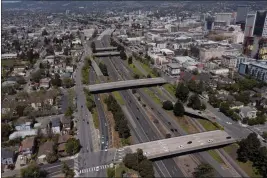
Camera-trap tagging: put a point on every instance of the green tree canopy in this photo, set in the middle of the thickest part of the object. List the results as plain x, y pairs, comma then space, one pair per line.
182, 92
6, 130
204, 171
72, 146
51, 158
167, 105
33, 171
178, 109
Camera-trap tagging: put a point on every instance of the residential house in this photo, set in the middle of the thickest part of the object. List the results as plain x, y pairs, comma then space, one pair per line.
248, 112
262, 91
69, 69
66, 123
44, 150
23, 123
236, 105
7, 156
62, 140
28, 146
56, 125
254, 101
45, 83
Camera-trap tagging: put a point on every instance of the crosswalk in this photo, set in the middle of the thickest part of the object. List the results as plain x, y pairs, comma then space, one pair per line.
94, 169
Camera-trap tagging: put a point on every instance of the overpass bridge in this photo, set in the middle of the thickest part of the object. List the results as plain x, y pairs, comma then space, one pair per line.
104, 87
106, 49
106, 54
177, 145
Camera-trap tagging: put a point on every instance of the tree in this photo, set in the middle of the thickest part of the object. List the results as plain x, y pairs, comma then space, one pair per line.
72, 146
67, 82
167, 105
93, 47
69, 111
51, 158
123, 55
146, 169
148, 76
111, 173
203, 171
33, 171
103, 69
69, 173
194, 102
20, 109
56, 81
182, 92
130, 60
264, 135
248, 148
36, 76
6, 130
28, 111
136, 76
44, 32
178, 109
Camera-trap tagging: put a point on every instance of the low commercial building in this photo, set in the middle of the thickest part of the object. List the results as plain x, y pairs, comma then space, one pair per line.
9, 56
248, 112
173, 69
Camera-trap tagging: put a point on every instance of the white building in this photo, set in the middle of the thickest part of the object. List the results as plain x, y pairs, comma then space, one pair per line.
9, 56
220, 71
223, 17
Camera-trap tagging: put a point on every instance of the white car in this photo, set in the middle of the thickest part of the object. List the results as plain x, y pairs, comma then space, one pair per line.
97, 168
181, 146
230, 123
98, 99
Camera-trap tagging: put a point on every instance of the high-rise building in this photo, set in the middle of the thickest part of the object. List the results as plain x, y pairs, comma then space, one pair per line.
242, 11
223, 17
255, 41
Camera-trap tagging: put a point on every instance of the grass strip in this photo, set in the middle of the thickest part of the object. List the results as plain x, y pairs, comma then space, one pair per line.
118, 97
207, 125
95, 118
170, 88
153, 96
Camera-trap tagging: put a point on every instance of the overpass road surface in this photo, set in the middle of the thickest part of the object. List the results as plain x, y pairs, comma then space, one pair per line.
182, 144
125, 84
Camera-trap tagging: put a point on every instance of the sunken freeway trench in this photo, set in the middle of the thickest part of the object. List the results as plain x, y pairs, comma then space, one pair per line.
143, 130
169, 122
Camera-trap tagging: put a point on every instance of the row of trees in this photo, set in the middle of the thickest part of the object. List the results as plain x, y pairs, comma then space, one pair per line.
85, 70
90, 103
121, 124
178, 108
250, 149
138, 162
103, 68
34, 171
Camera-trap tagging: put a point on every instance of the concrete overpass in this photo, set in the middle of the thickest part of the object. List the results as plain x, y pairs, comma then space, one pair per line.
178, 145
106, 49
104, 87
103, 54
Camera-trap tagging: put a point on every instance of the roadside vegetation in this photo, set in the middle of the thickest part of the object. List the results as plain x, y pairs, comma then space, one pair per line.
85, 70
121, 124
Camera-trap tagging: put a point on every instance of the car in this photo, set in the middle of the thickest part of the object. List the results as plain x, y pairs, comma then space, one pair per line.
230, 123
81, 106
189, 142
87, 122
181, 146
210, 140
98, 99
199, 112
228, 137
172, 130
83, 119
86, 115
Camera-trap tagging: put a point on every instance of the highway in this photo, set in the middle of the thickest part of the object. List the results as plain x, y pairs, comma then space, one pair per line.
169, 122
